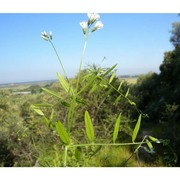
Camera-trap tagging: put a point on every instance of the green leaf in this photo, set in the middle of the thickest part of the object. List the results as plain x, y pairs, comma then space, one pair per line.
87, 76
112, 77
109, 70
52, 115
89, 127
127, 93
88, 84
36, 106
131, 102
154, 139
80, 100
62, 133
116, 128
47, 122
38, 111
65, 84
64, 103
117, 100
120, 85
95, 86
108, 92
52, 93
149, 144
136, 129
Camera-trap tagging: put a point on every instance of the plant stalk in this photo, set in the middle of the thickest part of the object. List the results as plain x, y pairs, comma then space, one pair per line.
64, 72
65, 156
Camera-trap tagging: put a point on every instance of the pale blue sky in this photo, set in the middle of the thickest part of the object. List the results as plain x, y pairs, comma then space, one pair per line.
136, 42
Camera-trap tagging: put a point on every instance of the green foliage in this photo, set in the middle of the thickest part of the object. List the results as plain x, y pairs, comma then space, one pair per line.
116, 128
52, 93
62, 133
159, 96
89, 127
175, 38
110, 113
136, 129
66, 86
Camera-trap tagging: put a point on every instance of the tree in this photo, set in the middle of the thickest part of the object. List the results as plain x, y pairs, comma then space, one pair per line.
159, 95
175, 38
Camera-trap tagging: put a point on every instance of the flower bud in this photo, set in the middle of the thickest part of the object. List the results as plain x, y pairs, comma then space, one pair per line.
45, 38
98, 25
44, 34
92, 17
84, 26
50, 35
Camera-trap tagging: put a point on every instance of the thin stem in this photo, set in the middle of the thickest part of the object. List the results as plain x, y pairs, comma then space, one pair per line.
80, 66
71, 111
65, 156
142, 142
136, 150
139, 111
58, 59
108, 144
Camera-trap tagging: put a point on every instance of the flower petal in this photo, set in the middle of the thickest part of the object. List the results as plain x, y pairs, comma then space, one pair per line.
45, 38
83, 24
98, 25
93, 16
44, 34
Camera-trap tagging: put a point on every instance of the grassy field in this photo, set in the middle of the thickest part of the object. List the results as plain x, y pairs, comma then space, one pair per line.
25, 85
130, 80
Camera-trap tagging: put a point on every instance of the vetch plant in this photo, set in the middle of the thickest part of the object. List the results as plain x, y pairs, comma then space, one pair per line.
94, 80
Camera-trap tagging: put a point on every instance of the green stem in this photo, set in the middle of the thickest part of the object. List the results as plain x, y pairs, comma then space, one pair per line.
71, 111
58, 59
80, 66
65, 156
142, 142
139, 111
108, 144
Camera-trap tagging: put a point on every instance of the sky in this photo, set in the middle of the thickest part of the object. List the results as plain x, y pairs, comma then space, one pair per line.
134, 41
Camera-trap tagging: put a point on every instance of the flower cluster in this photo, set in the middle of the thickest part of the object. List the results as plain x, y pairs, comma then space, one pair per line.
87, 24
93, 17
45, 36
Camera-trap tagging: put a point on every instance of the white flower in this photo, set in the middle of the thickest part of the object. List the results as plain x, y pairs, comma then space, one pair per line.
92, 17
83, 24
44, 36
98, 25
50, 35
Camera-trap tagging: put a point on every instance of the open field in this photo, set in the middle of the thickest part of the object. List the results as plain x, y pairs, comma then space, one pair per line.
130, 80
25, 85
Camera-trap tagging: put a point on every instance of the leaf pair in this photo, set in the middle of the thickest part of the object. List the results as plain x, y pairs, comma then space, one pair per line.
149, 147
38, 111
90, 129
